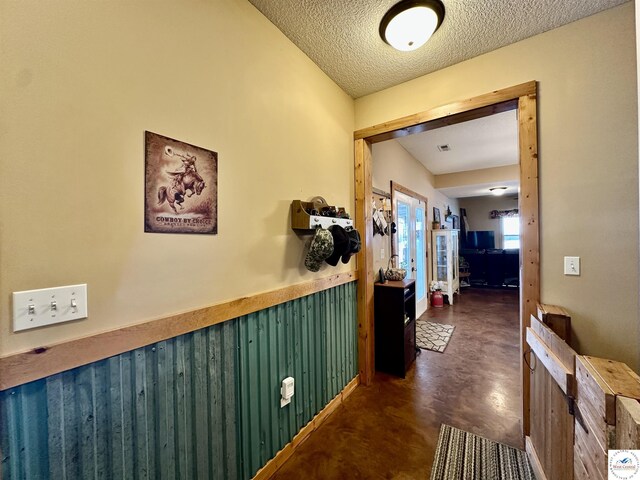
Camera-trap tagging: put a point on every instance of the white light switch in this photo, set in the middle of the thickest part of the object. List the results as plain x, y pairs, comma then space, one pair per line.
38, 308
572, 265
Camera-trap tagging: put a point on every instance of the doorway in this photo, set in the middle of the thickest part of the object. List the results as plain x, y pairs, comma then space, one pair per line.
522, 97
409, 210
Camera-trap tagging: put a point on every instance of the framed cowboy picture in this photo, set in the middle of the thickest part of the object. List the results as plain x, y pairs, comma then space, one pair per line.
181, 187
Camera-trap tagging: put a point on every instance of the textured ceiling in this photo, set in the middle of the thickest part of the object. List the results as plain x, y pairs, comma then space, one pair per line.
476, 144
341, 36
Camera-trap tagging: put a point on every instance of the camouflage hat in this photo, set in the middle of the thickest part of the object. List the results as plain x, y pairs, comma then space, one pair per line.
321, 247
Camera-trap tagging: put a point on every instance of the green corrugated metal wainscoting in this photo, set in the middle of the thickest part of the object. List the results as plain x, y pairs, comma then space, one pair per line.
205, 405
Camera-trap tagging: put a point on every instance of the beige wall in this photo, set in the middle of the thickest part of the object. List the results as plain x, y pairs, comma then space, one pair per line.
478, 209
588, 160
79, 84
392, 162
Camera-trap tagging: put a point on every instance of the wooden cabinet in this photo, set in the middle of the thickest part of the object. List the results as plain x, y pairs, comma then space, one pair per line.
395, 326
445, 268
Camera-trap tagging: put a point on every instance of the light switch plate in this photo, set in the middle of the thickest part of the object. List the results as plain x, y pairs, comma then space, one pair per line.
572, 265
47, 306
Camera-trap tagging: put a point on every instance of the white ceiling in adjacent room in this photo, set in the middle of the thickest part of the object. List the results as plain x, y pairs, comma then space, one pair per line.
477, 144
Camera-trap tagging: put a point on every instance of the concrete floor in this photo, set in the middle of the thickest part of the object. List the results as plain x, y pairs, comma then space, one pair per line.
389, 430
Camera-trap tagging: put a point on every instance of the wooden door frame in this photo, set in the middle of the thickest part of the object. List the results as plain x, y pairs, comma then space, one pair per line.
524, 98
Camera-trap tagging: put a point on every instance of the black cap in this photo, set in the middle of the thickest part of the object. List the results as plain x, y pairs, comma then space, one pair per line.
354, 245
341, 244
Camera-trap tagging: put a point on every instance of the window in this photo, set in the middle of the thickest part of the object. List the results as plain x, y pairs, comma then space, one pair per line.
511, 232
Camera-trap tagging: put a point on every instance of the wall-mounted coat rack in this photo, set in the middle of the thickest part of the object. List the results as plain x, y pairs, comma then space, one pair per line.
301, 219
382, 213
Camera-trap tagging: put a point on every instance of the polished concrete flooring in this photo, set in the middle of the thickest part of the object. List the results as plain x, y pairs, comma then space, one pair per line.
389, 430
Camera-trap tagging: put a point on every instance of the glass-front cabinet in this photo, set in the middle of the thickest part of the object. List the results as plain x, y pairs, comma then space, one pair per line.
445, 261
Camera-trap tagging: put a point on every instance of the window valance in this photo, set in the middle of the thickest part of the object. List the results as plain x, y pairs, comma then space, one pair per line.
503, 213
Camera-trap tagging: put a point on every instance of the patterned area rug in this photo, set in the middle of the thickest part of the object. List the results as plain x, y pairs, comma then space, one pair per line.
433, 336
463, 455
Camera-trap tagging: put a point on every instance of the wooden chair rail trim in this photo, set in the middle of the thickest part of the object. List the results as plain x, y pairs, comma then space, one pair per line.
561, 374
481, 101
283, 455
24, 367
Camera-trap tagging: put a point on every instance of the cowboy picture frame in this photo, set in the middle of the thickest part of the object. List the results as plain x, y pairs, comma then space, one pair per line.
181, 187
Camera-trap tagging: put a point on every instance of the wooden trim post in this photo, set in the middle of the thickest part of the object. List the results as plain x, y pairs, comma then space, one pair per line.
529, 233
364, 219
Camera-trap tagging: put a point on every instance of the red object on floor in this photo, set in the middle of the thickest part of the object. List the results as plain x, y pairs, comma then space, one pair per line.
437, 299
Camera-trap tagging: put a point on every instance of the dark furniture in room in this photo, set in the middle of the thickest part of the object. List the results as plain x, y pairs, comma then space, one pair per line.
479, 239
493, 267
395, 326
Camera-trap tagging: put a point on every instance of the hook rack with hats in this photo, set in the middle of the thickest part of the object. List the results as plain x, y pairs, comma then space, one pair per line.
334, 237
317, 213
381, 207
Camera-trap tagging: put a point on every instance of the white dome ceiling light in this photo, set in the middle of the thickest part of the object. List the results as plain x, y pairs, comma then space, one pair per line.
498, 191
410, 23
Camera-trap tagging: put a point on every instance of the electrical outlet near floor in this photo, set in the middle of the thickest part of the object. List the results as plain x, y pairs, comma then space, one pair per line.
47, 306
572, 265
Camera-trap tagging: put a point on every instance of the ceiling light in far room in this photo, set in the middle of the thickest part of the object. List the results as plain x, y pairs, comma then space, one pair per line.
497, 191
410, 23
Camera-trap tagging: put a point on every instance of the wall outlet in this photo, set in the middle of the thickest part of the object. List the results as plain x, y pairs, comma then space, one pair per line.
572, 265
47, 306
286, 391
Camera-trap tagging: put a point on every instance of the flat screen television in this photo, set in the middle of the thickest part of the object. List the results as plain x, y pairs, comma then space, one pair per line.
481, 239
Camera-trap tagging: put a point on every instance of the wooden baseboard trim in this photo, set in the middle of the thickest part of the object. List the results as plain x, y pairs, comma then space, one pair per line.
534, 460
24, 367
283, 455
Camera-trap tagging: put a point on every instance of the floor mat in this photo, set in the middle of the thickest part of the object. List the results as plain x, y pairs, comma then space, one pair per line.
463, 455
433, 336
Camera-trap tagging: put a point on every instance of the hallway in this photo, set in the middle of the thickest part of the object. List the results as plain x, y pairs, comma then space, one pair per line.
389, 430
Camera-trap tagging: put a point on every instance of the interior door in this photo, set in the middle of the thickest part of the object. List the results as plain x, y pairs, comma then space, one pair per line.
410, 243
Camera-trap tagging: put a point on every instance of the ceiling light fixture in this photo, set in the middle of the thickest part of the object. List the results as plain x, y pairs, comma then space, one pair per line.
410, 23
497, 191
